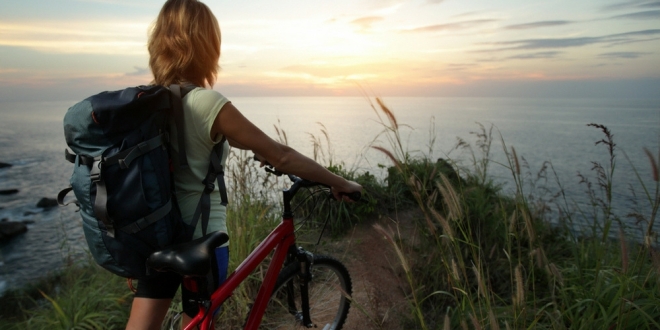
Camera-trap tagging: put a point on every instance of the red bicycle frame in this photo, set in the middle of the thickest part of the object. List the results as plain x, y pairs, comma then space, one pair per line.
280, 240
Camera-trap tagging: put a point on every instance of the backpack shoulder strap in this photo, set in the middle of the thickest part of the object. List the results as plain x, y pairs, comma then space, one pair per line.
187, 88
177, 93
215, 173
176, 101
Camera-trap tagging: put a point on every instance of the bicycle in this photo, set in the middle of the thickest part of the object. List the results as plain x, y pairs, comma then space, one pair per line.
300, 289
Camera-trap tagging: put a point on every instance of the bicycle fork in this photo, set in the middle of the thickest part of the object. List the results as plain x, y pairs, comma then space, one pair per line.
306, 260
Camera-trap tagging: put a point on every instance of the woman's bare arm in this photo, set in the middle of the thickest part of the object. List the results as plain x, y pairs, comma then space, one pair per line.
241, 133
235, 144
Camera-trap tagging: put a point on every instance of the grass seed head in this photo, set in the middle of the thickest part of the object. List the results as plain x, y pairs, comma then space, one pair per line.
388, 113
654, 165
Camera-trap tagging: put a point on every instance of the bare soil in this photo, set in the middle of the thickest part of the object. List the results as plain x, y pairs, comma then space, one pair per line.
379, 285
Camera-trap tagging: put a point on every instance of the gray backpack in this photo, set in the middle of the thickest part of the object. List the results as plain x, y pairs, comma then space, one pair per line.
122, 175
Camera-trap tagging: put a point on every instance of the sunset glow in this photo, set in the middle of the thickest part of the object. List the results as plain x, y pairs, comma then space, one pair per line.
402, 48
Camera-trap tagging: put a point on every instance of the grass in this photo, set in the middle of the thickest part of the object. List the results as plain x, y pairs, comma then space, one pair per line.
81, 296
494, 262
484, 259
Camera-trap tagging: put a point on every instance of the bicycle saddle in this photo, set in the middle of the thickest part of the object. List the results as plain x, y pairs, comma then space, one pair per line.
190, 258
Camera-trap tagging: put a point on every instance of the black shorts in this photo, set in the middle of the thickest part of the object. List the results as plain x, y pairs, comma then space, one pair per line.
163, 285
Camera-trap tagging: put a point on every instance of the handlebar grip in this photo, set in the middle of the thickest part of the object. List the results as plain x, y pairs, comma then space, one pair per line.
354, 196
254, 157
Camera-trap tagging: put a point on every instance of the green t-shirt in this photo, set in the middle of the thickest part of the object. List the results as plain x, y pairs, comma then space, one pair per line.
200, 107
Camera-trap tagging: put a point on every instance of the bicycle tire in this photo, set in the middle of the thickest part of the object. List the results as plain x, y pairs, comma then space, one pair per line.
329, 297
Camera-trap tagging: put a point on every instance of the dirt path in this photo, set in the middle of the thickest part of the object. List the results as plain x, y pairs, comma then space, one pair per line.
379, 287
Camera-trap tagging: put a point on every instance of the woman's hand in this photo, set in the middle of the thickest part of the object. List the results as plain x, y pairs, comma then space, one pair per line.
341, 192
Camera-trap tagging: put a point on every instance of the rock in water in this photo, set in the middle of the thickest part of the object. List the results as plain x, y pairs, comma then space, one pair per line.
47, 202
8, 191
9, 229
3, 165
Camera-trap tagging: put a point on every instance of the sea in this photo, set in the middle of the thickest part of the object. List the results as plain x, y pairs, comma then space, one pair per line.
550, 133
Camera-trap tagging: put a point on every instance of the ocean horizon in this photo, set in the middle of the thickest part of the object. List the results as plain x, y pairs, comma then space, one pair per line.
541, 130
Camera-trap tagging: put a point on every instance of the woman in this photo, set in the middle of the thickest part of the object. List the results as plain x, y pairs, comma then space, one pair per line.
184, 48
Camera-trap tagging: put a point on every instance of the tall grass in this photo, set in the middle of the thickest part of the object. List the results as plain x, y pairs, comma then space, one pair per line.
493, 261
254, 210
81, 296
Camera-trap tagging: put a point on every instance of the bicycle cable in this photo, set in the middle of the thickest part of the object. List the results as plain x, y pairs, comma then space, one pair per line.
312, 195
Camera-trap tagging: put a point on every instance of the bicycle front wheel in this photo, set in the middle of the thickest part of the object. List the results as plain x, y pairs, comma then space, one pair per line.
329, 297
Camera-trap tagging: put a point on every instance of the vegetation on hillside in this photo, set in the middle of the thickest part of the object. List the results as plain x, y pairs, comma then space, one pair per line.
493, 261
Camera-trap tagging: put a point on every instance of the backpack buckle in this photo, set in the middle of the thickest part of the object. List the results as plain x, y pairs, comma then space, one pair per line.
209, 186
95, 171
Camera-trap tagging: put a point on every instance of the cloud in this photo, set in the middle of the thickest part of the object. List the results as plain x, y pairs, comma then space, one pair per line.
382, 7
10, 70
642, 15
364, 23
631, 41
546, 43
526, 56
76, 37
459, 67
462, 25
139, 72
622, 55
650, 4
531, 56
470, 13
618, 38
633, 4
535, 25
57, 88
126, 3
434, 2
328, 70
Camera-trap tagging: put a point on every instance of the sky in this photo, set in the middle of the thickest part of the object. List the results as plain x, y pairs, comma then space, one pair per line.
68, 49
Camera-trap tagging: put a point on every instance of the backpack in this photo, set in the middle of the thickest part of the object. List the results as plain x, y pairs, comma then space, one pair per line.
122, 175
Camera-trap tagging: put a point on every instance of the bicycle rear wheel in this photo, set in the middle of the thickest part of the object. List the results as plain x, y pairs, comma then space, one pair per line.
329, 292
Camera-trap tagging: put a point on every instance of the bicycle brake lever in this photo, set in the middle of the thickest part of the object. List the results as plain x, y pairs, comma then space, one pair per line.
269, 169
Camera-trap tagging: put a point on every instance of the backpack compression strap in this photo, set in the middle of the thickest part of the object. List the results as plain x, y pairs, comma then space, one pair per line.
123, 159
216, 173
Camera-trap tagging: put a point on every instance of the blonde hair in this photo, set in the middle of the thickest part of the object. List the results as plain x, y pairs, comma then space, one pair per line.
184, 44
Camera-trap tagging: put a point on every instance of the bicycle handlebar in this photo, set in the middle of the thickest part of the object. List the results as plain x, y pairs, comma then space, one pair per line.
304, 183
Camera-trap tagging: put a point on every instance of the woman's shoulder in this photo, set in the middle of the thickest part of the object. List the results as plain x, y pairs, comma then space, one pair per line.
204, 93
204, 98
